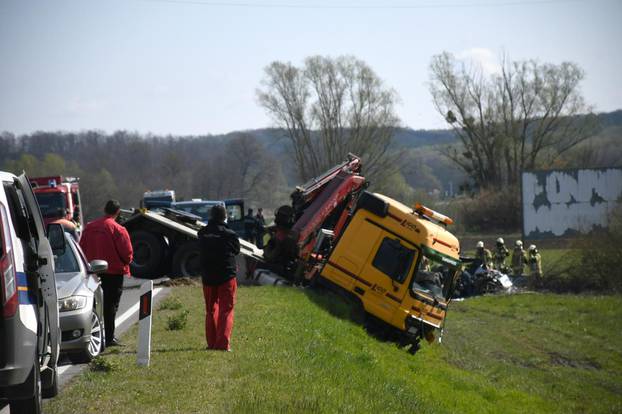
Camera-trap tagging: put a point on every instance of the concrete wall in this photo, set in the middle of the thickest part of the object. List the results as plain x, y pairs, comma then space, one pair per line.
569, 202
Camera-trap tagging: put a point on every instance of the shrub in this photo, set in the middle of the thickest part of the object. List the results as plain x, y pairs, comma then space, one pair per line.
102, 364
170, 303
178, 321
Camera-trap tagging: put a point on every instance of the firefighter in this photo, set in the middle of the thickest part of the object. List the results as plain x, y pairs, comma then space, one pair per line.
519, 259
483, 255
501, 253
535, 263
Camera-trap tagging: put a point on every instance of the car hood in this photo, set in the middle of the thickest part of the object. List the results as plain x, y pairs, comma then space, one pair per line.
68, 283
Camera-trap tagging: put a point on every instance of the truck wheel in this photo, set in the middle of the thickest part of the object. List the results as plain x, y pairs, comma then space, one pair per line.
149, 254
186, 260
31, 405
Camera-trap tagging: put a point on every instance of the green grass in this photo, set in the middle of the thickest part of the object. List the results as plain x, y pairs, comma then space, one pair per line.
297, 351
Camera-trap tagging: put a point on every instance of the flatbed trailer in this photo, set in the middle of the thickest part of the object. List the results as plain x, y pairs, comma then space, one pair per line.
165, 243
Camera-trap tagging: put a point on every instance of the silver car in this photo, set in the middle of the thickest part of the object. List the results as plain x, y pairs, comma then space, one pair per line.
80, 303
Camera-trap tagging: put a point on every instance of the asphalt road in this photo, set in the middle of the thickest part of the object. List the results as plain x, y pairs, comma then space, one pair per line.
126, 317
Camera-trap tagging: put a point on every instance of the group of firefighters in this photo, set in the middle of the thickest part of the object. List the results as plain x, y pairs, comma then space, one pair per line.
520, 258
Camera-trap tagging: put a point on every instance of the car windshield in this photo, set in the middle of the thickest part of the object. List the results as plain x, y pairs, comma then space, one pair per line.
52, 204
201, 210
67, 261
434, 275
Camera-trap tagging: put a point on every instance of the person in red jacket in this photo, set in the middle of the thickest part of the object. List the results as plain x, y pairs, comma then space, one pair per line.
105, 239
218, 247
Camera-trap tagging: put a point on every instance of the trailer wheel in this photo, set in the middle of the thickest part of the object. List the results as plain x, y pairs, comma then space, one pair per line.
149, 254
186, 260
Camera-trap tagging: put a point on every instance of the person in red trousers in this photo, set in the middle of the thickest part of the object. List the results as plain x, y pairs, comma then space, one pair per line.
218, 246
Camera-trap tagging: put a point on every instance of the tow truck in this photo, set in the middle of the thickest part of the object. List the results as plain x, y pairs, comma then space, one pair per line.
58, 198
165, 242
398, 263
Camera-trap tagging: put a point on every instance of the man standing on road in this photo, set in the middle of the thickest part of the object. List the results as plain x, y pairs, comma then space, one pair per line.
218, 246
105, 239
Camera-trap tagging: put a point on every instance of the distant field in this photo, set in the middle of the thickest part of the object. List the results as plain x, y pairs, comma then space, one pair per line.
297, 351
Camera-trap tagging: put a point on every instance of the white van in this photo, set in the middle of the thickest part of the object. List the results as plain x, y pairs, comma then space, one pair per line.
29, 329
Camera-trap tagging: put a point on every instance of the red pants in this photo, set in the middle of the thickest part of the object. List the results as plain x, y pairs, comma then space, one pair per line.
219, 301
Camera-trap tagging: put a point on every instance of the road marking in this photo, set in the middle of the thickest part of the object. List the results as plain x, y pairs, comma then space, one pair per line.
118, 321
126, 315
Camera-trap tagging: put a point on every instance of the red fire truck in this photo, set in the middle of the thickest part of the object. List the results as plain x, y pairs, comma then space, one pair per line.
58, 198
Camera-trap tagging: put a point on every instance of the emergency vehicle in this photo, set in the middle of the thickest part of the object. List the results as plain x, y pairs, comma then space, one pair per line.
29, 328
58, 198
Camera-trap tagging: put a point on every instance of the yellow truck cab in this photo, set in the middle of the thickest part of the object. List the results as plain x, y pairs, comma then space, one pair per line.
401, 262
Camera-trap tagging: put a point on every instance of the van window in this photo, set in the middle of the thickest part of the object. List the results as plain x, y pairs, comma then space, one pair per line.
394, 259
234, 212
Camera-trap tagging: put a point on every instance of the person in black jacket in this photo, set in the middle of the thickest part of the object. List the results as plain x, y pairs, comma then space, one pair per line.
219, 245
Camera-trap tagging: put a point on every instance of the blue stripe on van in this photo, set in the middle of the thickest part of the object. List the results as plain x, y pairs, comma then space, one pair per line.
25, 296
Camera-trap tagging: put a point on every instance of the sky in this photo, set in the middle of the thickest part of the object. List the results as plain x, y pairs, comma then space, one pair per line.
190, 67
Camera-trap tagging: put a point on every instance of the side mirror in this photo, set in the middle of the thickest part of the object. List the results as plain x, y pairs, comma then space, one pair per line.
56, 236
98, 266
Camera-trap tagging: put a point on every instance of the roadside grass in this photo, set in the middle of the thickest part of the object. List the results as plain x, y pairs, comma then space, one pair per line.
298, 351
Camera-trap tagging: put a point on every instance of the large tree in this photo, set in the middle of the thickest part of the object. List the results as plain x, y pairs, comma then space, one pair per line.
522, 118
330, 107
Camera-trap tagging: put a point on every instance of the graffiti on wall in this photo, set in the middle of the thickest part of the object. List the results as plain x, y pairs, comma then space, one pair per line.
569, 202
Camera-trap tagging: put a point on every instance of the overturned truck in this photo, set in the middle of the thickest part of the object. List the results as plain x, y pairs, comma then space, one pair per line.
400, 264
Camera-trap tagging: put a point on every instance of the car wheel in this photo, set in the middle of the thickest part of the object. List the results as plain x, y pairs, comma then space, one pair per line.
33, 404
95, 345
149, 254
186, 261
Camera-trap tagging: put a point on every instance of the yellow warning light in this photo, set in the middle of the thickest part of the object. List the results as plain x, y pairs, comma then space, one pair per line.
428, 212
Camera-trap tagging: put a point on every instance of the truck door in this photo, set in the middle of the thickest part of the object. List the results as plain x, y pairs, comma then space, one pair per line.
387, 270
44, 269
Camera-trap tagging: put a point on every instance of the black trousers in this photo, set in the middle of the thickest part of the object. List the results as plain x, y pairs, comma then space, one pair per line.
112, 285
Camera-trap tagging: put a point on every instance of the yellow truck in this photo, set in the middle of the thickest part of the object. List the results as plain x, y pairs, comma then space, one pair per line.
400, 263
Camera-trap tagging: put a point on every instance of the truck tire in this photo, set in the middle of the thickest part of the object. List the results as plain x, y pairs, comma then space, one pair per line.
149, 254
31, 405
186, 260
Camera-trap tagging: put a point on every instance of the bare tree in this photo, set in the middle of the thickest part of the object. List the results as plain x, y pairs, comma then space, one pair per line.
522, 118
330, 107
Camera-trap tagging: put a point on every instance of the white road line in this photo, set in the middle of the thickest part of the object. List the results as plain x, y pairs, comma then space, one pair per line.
118, 321
133, 309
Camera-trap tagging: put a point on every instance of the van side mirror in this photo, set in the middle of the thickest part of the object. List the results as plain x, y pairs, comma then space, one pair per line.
56, 236
98, 266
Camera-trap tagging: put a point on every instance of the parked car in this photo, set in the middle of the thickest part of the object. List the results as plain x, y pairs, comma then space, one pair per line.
29, 331
80, 303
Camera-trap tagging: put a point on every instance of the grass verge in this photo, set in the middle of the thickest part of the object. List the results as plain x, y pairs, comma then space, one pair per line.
297, 351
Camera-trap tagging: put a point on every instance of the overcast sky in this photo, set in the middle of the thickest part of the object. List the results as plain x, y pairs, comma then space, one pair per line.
192, 66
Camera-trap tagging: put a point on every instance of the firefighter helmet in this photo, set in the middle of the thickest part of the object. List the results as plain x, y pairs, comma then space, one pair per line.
480, 244
519, 243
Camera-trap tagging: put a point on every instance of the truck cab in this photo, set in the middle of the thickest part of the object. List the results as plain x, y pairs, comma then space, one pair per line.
58, 198
400, 263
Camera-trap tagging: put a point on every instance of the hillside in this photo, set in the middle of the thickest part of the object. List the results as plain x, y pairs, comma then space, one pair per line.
298, 351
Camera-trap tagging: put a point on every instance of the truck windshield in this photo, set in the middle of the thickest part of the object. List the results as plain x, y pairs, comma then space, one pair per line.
434, 276
52, 204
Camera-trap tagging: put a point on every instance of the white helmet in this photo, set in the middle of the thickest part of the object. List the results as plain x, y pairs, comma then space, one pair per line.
519, 243
532, 248
480, 244
500, 240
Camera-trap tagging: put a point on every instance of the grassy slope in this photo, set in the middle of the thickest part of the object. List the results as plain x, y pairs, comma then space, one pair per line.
296, 351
